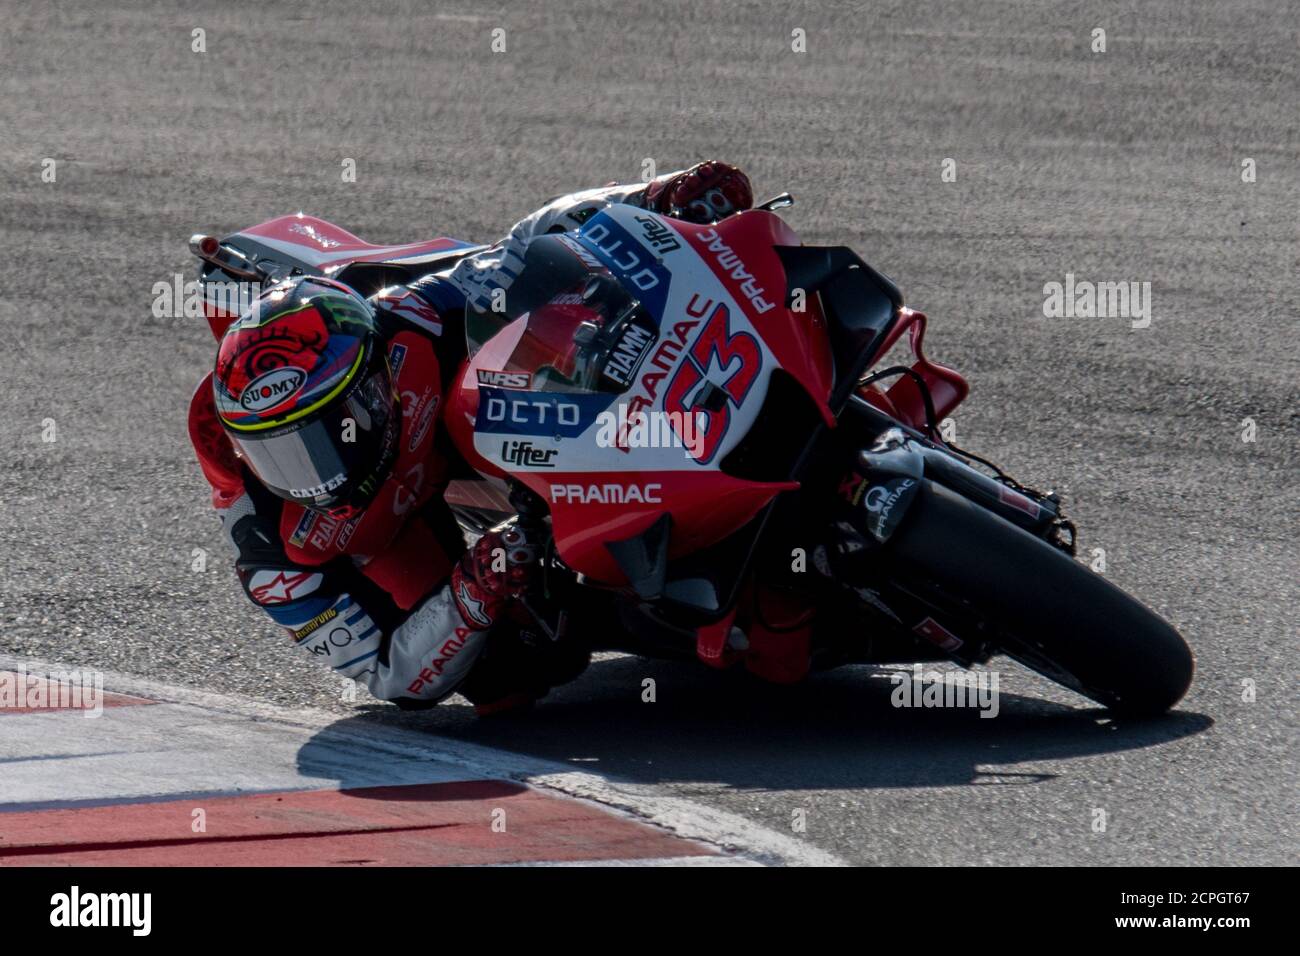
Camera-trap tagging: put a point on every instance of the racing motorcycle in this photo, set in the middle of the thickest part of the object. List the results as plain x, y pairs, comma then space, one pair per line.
691, 415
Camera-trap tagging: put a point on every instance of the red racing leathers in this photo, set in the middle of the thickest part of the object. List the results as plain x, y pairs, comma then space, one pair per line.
381, 597
371, 596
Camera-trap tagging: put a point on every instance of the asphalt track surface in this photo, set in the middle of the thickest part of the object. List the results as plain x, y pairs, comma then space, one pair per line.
1123, 165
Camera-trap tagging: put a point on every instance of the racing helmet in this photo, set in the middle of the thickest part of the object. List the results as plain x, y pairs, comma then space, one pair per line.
303, 388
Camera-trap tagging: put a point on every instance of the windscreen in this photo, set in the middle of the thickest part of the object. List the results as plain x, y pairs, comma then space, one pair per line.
564, 324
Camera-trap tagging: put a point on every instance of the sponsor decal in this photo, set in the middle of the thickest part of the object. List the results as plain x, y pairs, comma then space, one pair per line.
881, 499
472, 607
937, 634
735, 359
421, 427
626, 256
567, 298
607, 494
636, 266
312, 233
322, 531
345, 533
733, 266
450, 648
1018, 501
555, 414
407, 491
516, 380
885, 505
633, 345
281, 587
324, 617
396, 358
303, 529
412, 403
407, 305
271, 389
662, 361
338, 637
323, 488
368, 485
577, 248
540, 411
663, 239
527, 455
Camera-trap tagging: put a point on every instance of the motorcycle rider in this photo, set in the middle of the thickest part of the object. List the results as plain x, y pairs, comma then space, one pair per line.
319, 433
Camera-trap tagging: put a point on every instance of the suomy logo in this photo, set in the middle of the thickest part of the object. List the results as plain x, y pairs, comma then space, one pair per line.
267, 391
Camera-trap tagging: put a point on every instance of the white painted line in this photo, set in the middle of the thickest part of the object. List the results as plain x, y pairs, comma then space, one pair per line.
363, 749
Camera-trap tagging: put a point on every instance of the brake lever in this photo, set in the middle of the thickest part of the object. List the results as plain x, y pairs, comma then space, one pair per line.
530, 511
776, 202
552, 634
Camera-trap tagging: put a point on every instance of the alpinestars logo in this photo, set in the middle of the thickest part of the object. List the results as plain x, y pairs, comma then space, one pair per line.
268, 587
471, 608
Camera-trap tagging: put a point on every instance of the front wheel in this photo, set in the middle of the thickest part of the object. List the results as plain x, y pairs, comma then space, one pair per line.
1054, 615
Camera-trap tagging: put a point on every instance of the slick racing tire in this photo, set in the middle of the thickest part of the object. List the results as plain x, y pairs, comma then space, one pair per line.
1053, 615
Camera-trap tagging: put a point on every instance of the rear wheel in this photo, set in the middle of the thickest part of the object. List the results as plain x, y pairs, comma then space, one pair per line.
1054, 615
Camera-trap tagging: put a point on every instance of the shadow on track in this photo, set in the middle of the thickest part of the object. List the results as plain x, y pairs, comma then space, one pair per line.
837, 730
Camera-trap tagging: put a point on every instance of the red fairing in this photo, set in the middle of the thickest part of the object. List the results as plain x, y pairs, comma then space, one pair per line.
732, 338
741, 247
327, 246
321, 247
903, 400
706, 507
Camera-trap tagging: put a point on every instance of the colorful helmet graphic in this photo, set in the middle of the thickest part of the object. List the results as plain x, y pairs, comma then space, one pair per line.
303, 389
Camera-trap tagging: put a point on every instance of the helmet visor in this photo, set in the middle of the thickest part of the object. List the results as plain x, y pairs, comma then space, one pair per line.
335, 459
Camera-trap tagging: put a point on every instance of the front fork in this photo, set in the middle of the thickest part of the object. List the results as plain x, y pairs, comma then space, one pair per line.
892, 469
882, 485
900, 454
